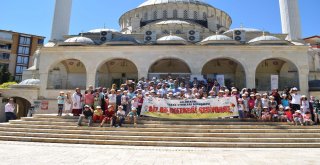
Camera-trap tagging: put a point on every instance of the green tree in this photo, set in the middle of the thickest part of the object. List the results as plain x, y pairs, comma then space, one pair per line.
5, 75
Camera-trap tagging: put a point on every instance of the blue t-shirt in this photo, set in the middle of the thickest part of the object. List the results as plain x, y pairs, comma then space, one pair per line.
60, 99
285, 102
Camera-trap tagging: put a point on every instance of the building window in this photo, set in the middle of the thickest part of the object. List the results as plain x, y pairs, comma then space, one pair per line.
22, 60
195, 15
24, 40
186, 14
4, 65
175, 14
155, 14
165, 14
20, 69
40, 41
145, 16
18, 78
24, 50
5, 56
204, 16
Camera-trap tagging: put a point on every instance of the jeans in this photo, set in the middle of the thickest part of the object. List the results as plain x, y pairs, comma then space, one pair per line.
121, 121
241, 114
81, 118
10, 116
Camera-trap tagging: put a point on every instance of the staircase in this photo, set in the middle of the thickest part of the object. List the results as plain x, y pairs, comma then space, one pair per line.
161, 132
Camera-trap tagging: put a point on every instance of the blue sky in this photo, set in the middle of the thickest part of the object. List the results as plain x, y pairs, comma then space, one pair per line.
35, 16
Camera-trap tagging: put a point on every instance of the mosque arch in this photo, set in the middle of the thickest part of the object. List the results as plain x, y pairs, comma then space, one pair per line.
287, 72
67, 74
117, 70
233, 71
22, 106
169, 66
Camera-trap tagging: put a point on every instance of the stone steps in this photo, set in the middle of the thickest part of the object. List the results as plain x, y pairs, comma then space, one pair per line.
162, 143
161, 132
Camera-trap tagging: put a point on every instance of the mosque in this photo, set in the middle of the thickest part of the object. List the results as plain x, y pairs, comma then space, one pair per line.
180, 38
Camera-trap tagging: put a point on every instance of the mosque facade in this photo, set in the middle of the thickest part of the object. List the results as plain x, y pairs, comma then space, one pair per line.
180, 38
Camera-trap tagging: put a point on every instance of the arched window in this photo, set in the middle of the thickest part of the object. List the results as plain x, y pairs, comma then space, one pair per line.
145, 17
204, 16
155, 14
175, 14
186, 14
165, 14
195, 15
165, 32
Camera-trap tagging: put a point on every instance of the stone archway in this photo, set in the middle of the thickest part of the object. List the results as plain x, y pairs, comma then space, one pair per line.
169, 67
116, 71
286, 71
67, 74
22, 106
232, 71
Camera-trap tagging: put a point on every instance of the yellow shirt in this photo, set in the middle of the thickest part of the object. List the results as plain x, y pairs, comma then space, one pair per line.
98, 112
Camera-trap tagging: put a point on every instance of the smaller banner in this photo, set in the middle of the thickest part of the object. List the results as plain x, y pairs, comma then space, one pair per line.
190, 109
274, 81
44, 105
220, 79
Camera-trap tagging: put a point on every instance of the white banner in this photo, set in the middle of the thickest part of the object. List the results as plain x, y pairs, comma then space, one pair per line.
274, 82
191, 108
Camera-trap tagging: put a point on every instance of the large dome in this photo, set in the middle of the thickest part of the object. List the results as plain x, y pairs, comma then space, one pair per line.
155, 2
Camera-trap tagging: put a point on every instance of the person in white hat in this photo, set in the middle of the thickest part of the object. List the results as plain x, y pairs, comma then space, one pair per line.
121, 115
257, 110
304, 106
282, 115
98, 114
285, 100
133, 115
240, 108
296, 99
87, 113
297, 118
265, 100
109, 116
60, 100
266, 116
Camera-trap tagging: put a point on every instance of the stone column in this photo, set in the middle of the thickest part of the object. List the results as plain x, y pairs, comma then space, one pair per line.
142, 72
251, 78
304, 80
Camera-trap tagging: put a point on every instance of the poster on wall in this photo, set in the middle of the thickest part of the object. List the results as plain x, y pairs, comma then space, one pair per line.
274, 81
220, 79
44, 105
37, 104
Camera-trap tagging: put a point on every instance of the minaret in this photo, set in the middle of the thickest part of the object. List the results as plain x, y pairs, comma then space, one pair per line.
61, 20
290, 18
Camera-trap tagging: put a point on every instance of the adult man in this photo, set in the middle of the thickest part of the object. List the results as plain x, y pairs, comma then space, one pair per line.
87, 113
9, 110
76, 100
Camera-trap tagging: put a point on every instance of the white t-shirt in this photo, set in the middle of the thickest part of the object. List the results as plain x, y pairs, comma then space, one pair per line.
112, 98
295, 99
9, 108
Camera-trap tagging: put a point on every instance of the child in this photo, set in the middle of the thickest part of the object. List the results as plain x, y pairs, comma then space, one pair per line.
133, 115
288, 114
87, 113
282, 115
274, 114
304, 104
121, 114
285, 100
60, 99
98, 114
68, 103
272, 102
316, 107
265, 100
240, 108
297, 118
109, 116
266, 114
307, 118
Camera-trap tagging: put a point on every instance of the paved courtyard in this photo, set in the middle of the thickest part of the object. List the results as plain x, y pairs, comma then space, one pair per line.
48, 153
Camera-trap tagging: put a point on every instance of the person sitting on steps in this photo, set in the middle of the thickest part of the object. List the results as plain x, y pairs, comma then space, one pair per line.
109, 116
133, 115
87, 113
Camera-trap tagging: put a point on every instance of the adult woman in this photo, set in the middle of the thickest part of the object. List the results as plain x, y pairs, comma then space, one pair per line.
68, 103
77, 103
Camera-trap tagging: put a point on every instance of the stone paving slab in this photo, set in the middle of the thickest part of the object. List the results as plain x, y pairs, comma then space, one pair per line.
15, 153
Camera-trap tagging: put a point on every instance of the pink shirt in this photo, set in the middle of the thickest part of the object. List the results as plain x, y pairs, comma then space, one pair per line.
88, 99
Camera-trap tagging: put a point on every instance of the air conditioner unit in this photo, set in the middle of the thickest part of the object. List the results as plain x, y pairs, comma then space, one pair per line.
193, 36
105, 36
239, 35
150, 36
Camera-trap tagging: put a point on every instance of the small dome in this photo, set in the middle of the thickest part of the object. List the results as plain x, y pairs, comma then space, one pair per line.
217, 38
30, 82
80, 40
101, 30
250, 30
49, 45
172, 39
264, 38
156, 2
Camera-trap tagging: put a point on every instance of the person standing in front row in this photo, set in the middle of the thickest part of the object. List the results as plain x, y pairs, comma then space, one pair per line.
76, 100
60, 99
68, 103
9, 110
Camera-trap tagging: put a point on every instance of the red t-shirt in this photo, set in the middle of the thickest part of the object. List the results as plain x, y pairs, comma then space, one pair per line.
109, 113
